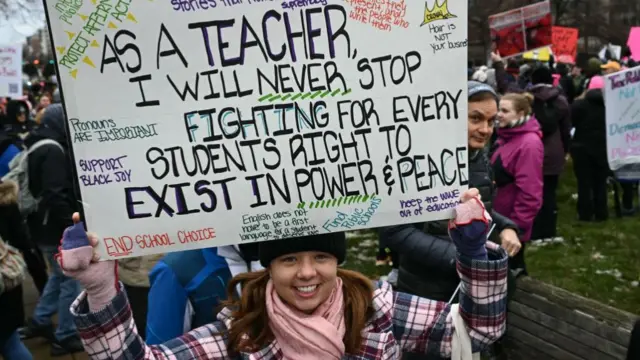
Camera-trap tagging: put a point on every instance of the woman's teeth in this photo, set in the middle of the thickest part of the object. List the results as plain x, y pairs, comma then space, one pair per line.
307, 289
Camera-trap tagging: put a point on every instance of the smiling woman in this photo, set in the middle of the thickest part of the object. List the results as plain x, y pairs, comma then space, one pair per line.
303, 306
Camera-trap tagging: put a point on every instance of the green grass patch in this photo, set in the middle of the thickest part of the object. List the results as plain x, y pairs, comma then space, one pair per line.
600, 261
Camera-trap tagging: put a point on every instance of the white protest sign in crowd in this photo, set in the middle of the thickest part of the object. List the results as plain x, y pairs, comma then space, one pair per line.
205, 123
10, 71
622, 92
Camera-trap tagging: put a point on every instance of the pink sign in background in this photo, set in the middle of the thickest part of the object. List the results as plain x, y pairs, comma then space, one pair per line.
634, 43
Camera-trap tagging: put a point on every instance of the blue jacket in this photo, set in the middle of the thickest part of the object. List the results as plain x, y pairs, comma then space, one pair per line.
5, 158
186, 289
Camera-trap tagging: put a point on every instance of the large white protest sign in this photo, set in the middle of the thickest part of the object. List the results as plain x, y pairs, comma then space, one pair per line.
622, 95
212, 122
10, 71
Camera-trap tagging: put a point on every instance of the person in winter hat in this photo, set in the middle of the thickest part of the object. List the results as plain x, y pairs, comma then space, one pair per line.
303, 306
485, 75
524, 78
50, 180
17, 122
592, 68
427, 254
552, 111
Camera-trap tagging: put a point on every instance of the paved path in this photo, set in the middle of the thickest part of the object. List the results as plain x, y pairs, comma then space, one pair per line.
39, 347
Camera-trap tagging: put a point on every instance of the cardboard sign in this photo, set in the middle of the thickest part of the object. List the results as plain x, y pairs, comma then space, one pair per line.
208, 123
622, 95
565, 44
11, 71
615, 51
543, 54
520, 30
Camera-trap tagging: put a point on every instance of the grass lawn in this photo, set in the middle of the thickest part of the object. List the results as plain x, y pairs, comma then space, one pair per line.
600, 261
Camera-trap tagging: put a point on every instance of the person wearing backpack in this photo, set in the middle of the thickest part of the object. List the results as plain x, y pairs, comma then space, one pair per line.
36, 265
12, 271
49, 175
187, 288
551, 109
134, 272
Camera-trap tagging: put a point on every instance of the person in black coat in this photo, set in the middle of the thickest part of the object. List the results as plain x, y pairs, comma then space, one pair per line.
51, 181
11, 305
589, 152
427, 254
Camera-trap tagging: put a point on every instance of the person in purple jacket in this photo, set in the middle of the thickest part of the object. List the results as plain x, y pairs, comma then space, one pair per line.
517, 165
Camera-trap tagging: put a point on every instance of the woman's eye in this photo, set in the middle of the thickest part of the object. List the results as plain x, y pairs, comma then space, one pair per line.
288, 259
322, 257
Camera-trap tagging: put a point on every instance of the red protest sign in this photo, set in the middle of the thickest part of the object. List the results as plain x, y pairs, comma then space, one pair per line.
520, 30
565, 44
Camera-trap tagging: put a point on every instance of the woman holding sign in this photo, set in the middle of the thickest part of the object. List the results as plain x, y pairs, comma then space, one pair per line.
304, 307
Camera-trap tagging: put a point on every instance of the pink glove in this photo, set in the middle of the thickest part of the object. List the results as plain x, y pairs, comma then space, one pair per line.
77, 260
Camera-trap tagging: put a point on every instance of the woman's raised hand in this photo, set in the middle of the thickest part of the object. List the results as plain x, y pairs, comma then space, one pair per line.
468, 229
78, 260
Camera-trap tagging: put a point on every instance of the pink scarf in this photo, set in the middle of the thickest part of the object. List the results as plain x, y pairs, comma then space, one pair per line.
310, 337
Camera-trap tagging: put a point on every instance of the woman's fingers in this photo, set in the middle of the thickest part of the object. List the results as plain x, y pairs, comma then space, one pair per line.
93, 239
512, 248
470, 194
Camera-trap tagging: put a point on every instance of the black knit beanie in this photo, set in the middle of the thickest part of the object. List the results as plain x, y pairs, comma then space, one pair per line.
541, 75
331, 243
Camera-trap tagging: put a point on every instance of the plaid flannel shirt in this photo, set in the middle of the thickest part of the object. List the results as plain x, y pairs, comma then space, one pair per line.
401, 323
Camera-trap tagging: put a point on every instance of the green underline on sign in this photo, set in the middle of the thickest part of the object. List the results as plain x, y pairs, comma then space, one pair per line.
303, 96
344, 200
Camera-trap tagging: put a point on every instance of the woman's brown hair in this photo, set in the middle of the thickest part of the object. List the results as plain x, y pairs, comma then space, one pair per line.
250, 331
39, 116
521, 102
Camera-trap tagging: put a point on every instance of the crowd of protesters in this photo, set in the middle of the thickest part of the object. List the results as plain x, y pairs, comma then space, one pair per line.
546, 113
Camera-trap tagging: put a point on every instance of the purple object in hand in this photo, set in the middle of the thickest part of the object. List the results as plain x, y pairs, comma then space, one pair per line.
75, 237
470, 239
469, 229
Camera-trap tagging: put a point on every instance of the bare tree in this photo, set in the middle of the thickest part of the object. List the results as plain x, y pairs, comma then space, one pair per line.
479, 12
598, 21
21, 8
